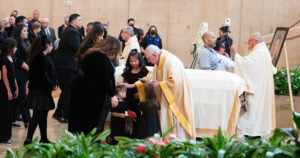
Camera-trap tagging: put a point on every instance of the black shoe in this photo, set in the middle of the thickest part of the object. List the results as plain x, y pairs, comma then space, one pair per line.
59, 119
252, 137
26, 125
45, 141
19, 118
27, 141
15, 124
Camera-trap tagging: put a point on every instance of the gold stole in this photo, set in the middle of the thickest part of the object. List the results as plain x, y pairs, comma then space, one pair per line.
170, 98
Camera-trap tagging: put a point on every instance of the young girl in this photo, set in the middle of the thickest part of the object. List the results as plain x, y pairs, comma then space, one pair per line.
42, 80
134, 69
118, 115
149, 123
8, 88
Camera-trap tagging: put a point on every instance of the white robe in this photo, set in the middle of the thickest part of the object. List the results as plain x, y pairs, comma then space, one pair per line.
132, 43
257, 70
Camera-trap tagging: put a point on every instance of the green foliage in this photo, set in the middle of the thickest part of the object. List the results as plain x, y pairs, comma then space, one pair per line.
284, 143
281, 81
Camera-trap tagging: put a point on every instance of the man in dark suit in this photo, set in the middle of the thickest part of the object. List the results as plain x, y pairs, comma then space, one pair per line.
66, 66
63, 26
12, 23
46, 30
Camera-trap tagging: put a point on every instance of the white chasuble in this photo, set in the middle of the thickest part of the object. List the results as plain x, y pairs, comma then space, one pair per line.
257, 70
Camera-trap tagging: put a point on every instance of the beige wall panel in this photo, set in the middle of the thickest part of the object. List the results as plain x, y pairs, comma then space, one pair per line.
177, 20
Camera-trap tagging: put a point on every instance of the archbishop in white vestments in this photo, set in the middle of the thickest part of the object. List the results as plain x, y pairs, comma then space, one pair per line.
257, 70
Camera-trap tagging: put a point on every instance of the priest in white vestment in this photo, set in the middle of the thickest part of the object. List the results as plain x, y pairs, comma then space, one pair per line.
174, 92
131, 41
257, 70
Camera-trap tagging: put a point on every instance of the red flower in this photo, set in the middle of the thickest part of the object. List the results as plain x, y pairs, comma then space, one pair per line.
161, 143
151, 140
171, 137
141, 148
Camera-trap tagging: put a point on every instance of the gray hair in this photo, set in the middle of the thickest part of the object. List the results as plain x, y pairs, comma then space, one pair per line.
66, 18
129, 29
152, 49
258, 36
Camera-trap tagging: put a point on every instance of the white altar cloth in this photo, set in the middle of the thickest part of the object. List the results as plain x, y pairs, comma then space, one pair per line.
216, 99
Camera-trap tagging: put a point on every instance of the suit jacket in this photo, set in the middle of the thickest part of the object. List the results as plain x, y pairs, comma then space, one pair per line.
60, 30
51, 36
64, 57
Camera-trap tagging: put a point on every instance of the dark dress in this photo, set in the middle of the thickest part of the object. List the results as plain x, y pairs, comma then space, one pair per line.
5, 108
42, 80
89, 90
117, 124
20, 57
149, 123
133, 103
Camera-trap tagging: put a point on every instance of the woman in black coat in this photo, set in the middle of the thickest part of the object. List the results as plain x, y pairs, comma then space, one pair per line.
42, 80
20, 34
95, 81
95, 36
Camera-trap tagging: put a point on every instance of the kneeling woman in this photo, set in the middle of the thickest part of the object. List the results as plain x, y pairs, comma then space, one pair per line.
42, 80
95, 81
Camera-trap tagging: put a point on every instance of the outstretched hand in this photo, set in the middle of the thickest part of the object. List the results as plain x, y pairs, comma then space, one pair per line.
233, 50
126, 85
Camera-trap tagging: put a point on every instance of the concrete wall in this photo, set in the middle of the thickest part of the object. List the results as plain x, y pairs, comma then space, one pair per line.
178, 21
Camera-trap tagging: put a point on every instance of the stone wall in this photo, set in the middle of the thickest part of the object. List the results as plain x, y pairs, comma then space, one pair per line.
178, 21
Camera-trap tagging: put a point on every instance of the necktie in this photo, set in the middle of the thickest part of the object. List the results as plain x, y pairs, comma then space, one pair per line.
47, 32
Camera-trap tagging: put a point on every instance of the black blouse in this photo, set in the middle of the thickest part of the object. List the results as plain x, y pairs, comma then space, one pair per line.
10, 73
42, 75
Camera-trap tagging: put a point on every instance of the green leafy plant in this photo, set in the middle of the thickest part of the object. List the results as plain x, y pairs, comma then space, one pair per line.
281, 81
284, 143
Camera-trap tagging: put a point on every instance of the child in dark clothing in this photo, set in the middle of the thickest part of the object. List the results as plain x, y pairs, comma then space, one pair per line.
149, 123
134, 69
8, 88
42, 81
120, 117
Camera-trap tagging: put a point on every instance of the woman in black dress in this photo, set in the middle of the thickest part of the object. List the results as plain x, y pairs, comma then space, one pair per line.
95, 81
8, 88
20, 34
149, 123
42, 80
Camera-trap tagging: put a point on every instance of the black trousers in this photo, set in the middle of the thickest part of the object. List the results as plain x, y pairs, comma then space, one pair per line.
20, 102
65, 79
39, 117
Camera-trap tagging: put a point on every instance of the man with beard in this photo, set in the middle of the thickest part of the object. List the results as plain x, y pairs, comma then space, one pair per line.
207, 57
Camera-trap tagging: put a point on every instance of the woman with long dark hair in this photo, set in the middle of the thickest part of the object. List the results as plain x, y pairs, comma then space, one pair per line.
95, 81
42, 80
20, 34
94, 36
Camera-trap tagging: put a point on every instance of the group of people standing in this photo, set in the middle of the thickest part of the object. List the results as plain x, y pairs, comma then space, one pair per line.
82, 67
